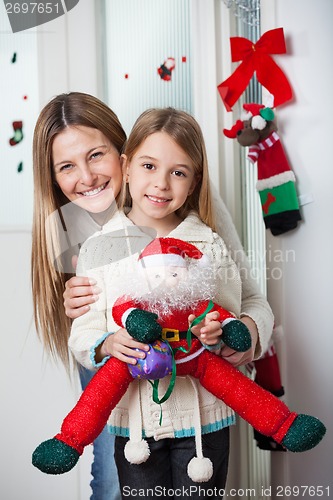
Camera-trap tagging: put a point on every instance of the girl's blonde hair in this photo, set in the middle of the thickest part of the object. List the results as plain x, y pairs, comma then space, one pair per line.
186, 132
48, 284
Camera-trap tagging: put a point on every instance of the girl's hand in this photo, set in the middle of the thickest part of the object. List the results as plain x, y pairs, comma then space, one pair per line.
79, 293
209, 329
242, 358
122, 346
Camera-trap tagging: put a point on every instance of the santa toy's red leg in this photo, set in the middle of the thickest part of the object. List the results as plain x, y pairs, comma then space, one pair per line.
264, 411
86, 421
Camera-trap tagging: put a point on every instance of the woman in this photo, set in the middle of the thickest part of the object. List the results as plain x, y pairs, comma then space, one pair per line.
72, 128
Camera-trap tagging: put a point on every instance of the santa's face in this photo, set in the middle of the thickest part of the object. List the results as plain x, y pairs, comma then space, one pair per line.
164, 276
164, 289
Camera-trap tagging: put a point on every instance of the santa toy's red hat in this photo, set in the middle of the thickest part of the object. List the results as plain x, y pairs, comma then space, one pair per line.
259, 114
171, 252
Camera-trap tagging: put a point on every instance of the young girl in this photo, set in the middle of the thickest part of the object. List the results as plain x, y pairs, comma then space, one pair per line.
166, 170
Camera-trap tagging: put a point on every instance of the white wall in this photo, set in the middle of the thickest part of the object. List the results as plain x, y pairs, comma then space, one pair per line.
34, 394
69, 53
302, 298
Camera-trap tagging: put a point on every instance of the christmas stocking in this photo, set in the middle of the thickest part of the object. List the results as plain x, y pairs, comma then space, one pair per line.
276, 185
18, 134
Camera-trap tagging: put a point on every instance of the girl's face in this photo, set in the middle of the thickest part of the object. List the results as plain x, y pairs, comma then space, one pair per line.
86, 168
160, 177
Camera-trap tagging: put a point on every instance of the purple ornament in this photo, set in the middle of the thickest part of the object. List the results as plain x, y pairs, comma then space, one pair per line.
157, 363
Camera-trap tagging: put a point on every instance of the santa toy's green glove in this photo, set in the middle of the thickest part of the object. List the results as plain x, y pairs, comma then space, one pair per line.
143, 326
236, 335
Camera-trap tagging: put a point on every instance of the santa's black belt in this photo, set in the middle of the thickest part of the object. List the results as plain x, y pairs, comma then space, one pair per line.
173, 335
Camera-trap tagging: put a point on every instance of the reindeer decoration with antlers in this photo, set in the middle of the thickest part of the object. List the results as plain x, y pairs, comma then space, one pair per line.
276, 180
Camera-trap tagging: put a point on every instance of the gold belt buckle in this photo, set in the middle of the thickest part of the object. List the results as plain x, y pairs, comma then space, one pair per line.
167, 331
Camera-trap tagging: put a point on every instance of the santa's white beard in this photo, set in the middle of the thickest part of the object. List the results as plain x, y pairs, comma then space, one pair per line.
163, 300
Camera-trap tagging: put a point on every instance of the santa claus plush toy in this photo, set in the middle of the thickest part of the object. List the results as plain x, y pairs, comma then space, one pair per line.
276, 180
176, 287
165, 70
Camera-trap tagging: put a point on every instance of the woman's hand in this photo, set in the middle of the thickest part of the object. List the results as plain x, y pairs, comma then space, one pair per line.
122, 346
242, 358
79, 293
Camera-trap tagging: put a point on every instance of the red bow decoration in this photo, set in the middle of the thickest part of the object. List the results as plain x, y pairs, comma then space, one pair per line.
256, 57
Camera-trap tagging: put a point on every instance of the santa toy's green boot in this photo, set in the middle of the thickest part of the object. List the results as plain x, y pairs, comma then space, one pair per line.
300, 432
55, 457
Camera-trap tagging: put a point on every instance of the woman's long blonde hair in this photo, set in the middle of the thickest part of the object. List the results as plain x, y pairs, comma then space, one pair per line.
186, 132
48, 284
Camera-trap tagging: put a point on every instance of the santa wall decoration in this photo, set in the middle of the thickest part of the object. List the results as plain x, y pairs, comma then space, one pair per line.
166, 69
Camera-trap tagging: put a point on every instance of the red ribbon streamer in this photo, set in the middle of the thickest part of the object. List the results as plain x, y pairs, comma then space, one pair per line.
256, 57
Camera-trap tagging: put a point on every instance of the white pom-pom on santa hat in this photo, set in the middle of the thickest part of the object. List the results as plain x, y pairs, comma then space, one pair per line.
171, 252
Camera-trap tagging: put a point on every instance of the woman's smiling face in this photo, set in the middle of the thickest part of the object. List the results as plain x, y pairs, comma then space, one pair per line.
86, 167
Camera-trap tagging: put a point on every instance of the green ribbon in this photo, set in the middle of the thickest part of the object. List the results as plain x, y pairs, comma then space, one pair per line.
194, 323
169, 390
